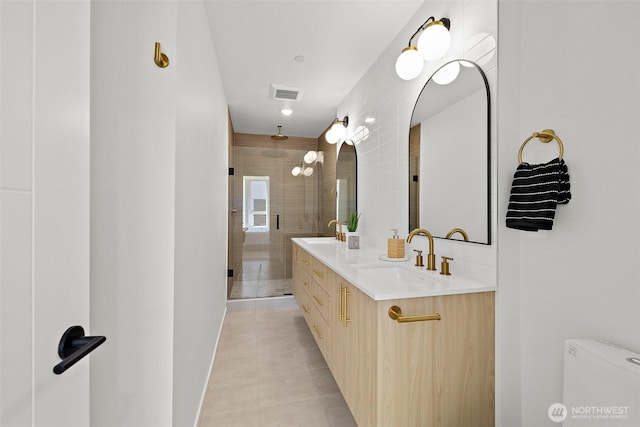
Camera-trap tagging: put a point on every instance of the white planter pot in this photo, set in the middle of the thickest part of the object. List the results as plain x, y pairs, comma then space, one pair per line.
353, 240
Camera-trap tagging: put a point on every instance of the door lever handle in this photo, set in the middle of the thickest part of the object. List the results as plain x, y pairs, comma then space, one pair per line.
73, 346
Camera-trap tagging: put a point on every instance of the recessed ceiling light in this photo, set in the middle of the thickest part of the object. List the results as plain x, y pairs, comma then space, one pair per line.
286, 111
370, 120
300, 58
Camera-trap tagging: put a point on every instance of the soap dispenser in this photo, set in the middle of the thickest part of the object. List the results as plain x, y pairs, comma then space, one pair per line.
395, 245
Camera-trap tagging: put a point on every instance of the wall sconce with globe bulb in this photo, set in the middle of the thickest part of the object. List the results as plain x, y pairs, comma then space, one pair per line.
337, 130
432, 44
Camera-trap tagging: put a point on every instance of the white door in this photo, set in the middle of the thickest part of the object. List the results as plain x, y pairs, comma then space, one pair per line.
44, 209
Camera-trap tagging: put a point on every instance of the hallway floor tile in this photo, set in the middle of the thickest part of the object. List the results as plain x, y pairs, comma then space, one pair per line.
269, 371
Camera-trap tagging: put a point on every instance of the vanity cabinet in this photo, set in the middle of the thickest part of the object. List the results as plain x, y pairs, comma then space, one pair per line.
433, 373
355, 342
311, 285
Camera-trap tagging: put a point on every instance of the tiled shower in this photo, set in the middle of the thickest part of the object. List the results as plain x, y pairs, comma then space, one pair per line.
270, 206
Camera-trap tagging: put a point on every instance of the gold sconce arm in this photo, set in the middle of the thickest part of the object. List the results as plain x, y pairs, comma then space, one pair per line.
160, 58
395, 313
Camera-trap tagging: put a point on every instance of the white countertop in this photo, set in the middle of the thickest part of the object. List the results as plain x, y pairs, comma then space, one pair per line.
383, 280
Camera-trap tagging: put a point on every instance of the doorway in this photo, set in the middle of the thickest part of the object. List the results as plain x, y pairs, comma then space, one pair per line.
270, 206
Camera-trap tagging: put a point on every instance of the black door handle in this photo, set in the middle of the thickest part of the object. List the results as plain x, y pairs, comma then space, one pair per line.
73, 346
278, 222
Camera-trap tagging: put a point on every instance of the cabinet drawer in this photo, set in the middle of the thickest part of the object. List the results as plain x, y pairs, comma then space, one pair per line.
321, 331
318, 272
321, 300
304, 259
306, 283
305, 306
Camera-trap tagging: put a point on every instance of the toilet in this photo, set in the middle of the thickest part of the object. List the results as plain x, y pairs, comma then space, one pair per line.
601, 386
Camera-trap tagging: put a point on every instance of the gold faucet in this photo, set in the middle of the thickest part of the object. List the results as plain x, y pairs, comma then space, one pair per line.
453, 231
431, 257
339, 233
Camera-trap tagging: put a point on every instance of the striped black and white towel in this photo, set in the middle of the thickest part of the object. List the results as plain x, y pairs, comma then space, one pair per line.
535, 193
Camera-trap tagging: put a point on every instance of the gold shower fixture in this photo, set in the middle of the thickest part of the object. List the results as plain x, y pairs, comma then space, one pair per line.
279, 136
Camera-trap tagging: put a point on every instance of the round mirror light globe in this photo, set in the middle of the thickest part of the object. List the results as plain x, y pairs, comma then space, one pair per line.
409, 64
338, 129
331, 136
447, 73
310, 157
307, 171
296, 171
434, 42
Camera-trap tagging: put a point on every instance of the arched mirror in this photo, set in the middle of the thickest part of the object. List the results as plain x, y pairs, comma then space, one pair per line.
346, 182
449, 154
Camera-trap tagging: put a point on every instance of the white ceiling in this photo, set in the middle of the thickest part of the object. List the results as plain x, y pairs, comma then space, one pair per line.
256, 43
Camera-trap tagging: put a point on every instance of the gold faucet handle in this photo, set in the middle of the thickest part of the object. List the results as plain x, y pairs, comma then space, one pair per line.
444, 266
419, 258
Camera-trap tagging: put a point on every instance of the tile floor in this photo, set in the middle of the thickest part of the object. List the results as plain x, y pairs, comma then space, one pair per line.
261, 288
269, 372
262, 274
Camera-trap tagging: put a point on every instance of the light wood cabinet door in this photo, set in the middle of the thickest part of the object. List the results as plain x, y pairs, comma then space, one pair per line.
338, 364
360, 355
437, 372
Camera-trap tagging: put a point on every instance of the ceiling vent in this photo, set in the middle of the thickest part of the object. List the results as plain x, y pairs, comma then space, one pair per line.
285, 93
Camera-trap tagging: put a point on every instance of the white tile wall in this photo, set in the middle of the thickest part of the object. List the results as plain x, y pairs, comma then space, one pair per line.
383, 158
44, 208
16, 23
15, 308
16, 317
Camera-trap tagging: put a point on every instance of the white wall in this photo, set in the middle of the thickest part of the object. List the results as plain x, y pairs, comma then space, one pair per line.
158, 200
581, 279
133, 128
44, 209
383, 165
201, 211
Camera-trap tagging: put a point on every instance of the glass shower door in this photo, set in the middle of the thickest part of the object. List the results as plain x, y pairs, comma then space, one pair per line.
257, 259
271, 206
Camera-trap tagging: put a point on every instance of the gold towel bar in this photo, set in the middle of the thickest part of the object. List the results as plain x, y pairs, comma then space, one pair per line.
396, 314
545, 136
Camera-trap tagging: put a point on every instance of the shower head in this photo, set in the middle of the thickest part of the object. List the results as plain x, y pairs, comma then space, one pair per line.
279, 136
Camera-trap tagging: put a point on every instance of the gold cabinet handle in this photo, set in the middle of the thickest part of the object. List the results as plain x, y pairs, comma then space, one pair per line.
319, 274
340, 306
345, 294
396, 314
305, 283
306, 311
318, 301
306, 262
318, 332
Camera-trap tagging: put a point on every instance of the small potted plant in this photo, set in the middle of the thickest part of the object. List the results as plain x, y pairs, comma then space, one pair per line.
353, 239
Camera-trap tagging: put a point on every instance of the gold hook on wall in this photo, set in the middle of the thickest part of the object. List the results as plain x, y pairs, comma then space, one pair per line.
160, 58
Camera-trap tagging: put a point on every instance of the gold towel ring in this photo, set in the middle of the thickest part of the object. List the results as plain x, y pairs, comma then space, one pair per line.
545, 136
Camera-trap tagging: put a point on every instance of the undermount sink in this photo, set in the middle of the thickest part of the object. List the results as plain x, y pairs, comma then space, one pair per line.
400, 276
319, 240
